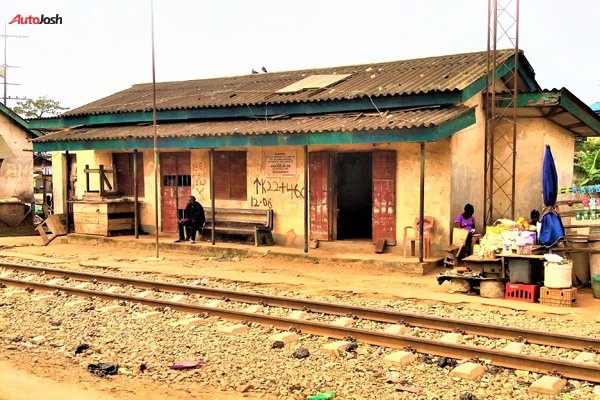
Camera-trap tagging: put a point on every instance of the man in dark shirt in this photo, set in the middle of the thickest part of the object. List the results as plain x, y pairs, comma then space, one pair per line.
192, 221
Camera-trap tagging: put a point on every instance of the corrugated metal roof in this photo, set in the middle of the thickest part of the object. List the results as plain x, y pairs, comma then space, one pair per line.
350, 122
424, 75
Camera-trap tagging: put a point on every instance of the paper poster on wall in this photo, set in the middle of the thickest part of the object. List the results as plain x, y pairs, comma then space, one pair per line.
281, 163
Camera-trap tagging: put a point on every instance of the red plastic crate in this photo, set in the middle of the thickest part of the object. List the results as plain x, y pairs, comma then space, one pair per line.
522, 292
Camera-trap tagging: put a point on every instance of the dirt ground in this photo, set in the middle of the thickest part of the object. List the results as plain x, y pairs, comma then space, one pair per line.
49, 379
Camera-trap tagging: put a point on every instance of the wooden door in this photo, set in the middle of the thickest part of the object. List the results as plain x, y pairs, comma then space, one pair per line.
320, 169
71, 189
384, 196
175, 172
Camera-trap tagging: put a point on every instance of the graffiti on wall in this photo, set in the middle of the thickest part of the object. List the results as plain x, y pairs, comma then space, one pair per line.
200, 179
265, 188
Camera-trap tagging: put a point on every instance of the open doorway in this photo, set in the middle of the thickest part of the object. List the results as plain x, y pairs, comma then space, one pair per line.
354, 183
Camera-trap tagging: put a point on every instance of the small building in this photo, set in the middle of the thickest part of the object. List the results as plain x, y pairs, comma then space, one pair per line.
338, 150
16, 174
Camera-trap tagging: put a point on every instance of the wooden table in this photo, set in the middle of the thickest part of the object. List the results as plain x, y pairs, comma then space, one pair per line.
490, 267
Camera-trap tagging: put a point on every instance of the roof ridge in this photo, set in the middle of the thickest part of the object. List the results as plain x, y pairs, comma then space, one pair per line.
426, 75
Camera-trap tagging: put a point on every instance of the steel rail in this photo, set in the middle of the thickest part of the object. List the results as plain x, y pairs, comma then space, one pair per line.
545, 338
568, 369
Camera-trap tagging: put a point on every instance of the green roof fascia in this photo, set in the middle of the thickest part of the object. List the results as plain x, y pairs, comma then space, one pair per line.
426, 134
20, 121
536, 99
479, 85
256, 111
581, 111
562, 98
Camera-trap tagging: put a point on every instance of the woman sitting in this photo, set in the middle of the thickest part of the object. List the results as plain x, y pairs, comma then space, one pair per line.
466, 221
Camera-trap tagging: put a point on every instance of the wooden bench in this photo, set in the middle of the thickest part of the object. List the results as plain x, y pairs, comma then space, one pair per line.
239, 221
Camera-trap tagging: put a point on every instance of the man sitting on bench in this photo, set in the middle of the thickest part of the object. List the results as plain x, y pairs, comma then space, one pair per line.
192, 221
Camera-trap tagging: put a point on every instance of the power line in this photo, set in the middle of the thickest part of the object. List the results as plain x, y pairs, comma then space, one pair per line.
4, 67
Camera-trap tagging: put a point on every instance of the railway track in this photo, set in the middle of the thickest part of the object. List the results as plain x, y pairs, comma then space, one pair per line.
37, 278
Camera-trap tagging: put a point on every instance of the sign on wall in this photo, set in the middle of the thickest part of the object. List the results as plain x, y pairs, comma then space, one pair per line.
281, 163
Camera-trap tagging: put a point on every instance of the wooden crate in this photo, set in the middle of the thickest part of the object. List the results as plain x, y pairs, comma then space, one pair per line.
558, 297
104, 218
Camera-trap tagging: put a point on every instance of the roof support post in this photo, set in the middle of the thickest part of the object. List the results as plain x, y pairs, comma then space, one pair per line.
136, 203
306, 200
212, 194
421, 201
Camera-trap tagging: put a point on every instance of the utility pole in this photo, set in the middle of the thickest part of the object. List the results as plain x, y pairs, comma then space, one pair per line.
4, 67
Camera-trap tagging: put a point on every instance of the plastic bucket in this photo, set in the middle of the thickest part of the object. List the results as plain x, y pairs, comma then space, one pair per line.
596, 285
558, 276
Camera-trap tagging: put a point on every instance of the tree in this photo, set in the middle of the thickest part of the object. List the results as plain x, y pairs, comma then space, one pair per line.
43, 106
587, 163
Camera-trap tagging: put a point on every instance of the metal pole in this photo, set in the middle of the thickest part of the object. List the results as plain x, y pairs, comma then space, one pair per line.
306, 207
514, 99
421, 201
212, 195
66, 199
155, 141
136, 217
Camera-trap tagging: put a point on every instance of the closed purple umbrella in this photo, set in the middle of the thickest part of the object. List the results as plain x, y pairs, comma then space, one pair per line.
552, 229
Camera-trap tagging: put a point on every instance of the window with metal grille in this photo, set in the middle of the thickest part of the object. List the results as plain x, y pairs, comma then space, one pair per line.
230, 175
177, 180
123, 164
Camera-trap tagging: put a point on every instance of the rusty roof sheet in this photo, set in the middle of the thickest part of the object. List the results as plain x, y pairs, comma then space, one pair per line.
424, 75
347, 122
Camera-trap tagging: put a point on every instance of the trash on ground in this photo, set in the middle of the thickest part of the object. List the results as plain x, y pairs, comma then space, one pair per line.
322, 396
81, 348
103, 369
301, 353
186, 364
410, 389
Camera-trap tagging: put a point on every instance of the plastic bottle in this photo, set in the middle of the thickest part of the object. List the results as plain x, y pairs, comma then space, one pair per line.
322, 396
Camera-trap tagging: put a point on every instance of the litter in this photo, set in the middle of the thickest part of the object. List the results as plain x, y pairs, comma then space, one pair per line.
409, 389
186, 364
322, 396
103, 369
301, 353
81, 348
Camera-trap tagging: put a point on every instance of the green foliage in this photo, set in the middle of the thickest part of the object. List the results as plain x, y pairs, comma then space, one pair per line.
587, 163
37, 108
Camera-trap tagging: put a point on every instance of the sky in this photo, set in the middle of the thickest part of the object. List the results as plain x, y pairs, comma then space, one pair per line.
104, 46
